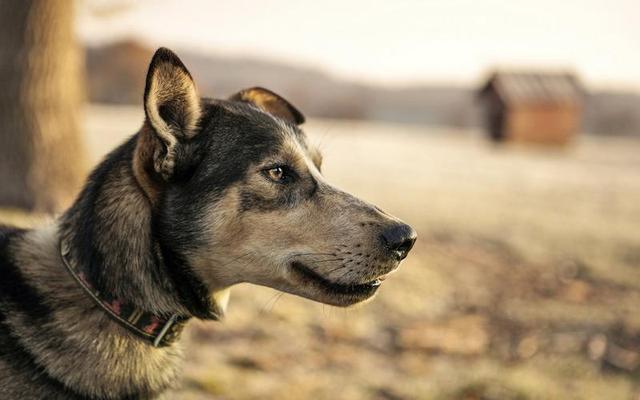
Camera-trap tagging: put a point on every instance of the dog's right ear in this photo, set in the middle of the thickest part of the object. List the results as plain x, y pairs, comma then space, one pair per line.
171, 106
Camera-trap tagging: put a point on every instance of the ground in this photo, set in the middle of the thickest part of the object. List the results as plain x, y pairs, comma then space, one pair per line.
524, 282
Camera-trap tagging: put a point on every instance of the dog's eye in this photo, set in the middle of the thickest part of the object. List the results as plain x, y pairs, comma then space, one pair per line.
276, 174
279, 174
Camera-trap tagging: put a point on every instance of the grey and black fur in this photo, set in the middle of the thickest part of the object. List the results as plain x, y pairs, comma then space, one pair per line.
209, 193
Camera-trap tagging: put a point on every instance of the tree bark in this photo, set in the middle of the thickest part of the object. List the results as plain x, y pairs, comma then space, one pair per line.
41, 93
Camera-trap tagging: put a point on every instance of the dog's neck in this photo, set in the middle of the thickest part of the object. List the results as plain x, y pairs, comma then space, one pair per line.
109, 231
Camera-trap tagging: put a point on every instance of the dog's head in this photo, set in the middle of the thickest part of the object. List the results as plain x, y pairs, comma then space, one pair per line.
239, 197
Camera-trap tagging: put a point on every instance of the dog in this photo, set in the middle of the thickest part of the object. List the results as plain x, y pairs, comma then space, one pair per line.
207, 194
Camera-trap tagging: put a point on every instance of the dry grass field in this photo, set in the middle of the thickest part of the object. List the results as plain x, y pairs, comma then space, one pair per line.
524, 282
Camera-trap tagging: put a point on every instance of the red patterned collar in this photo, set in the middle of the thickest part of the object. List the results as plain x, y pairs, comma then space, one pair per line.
159, 330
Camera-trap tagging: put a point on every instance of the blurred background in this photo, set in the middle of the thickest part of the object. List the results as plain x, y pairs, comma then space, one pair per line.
506, 133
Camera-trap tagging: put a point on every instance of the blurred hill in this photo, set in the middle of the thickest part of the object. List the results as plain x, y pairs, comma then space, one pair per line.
116, 75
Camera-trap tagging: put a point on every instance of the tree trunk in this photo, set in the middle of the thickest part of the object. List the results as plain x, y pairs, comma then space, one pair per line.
41, 92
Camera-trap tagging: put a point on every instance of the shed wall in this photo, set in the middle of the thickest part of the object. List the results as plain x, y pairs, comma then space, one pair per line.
542, 123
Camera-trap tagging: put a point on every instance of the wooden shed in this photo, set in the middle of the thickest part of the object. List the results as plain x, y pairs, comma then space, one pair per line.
532, 107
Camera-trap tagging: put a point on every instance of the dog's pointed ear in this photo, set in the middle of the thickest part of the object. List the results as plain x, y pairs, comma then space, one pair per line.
270, 102
171, 106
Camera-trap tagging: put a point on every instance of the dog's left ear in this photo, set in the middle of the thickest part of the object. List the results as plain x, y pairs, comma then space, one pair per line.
171, 106
270, 102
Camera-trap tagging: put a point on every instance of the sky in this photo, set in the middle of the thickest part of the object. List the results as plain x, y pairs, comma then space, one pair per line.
391, 42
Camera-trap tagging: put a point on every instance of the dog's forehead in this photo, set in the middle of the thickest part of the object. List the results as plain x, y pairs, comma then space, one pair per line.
253, 127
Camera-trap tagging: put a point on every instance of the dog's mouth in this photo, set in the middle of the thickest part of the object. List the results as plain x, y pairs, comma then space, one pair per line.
355, 292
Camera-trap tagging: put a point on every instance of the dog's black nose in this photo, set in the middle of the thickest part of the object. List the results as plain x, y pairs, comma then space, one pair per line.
399, 239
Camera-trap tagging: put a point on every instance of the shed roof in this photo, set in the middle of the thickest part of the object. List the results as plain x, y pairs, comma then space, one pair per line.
535, 87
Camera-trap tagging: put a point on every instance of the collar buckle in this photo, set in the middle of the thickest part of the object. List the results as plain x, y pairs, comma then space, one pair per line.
165, 329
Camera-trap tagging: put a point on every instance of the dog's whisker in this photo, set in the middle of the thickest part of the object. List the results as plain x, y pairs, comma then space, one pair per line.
336, 269
333, 259
345, 274
268, 306
277, 297
264, 308
313, 254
